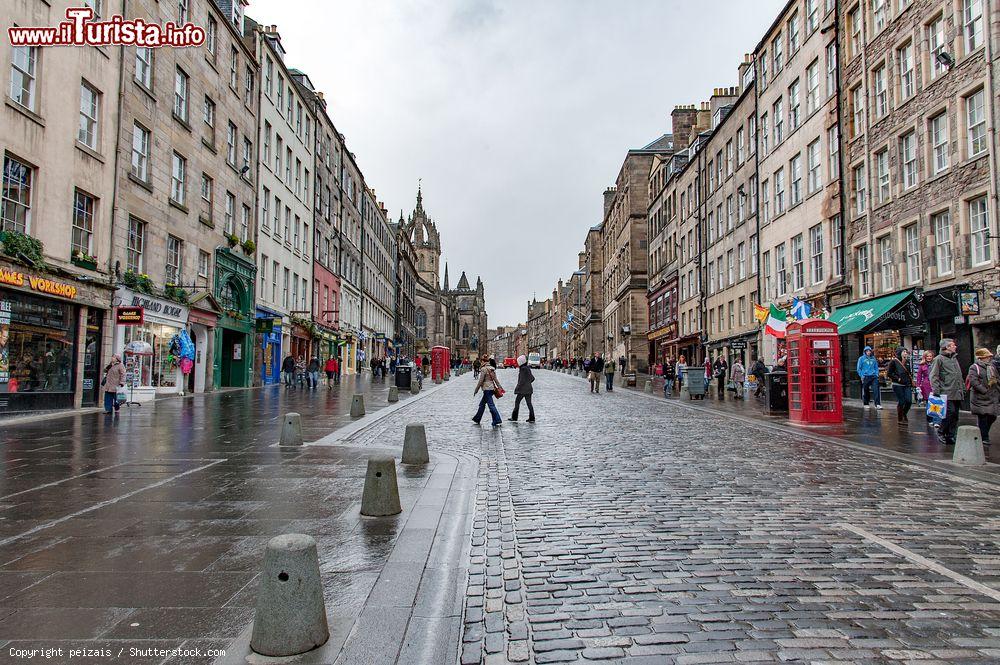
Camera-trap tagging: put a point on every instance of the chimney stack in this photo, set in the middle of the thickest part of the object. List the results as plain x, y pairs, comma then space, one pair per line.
682, 119
609, 199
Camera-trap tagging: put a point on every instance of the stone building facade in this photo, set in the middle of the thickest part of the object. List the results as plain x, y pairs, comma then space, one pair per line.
538, 326
730, 213
624, 246
920, 166
185, 219
406, 290
58, 141
378, 280
801, 237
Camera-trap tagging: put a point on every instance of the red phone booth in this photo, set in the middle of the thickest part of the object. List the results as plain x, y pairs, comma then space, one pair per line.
439, 361
814, 388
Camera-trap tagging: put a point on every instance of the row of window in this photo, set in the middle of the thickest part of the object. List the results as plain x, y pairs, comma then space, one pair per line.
294, 289
174, 263
801, 261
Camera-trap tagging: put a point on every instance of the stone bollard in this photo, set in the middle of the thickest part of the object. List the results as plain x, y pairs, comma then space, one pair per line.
969, 447
393, 394
415, 445
291, 430
414, 387
381, 495
438, 380
357, 406
291, 615
447, 377
648, 387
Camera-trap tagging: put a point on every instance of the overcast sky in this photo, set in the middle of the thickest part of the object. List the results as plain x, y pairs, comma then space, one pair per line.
516, 114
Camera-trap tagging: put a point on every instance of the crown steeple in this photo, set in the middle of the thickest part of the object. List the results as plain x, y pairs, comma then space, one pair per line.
446, 276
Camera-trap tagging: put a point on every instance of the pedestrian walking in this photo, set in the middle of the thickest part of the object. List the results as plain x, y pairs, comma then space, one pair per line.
609, 375
596, 371
899, 375
621, 364
490, 386
288, 370
720, 369
984, 392
738, 374
114, 377
868, 371
946, 380
392, 365
759, 370
476, 365
300, 370
523, 390
681, 370
668, 377
312, 372
923, 378
330, 367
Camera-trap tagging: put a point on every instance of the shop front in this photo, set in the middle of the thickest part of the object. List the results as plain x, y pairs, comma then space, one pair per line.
325, 344
234, 282
158, 371
51, 335
203, 319
267, 357
742, 347
300, 342
884, 323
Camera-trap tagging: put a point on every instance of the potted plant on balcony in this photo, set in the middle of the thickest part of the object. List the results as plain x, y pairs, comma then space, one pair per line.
175, 293
83, 260
22, 247
232, 239
138, 282
249, 247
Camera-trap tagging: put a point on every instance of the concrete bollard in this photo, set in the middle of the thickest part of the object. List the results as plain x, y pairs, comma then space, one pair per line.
381, 495
648, 387
969, 447
357, 406
393, 394
414, 387
447, 377
291, 616
415, 445
438, 380
291, 430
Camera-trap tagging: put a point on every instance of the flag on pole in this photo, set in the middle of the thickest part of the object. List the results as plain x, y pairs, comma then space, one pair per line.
760, 313
776, 323
800, 309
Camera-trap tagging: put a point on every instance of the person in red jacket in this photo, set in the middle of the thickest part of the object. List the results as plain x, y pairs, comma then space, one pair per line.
332, 369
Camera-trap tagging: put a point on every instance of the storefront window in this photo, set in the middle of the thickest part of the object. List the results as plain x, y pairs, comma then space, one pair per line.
160, 369
36, 344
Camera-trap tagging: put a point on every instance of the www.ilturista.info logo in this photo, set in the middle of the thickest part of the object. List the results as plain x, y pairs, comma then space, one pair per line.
80, 30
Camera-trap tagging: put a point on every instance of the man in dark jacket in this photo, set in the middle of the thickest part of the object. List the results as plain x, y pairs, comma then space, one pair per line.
947, 380
288, 369
523, 390
758, 369
720, 369
596, 370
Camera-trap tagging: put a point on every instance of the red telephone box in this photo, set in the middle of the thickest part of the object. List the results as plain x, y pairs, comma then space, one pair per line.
814, 372
439, 362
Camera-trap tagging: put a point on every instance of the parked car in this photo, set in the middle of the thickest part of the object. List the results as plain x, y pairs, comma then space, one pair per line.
510, 362
534, 361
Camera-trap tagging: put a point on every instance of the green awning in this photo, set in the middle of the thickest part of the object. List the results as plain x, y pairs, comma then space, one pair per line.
861, 316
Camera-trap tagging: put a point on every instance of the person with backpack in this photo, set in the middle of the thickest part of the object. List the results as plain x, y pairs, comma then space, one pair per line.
983, 384
898, 373
946, 380
288, 370
759, 371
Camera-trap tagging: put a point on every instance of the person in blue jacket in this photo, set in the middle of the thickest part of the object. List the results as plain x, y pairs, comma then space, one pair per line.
868, 371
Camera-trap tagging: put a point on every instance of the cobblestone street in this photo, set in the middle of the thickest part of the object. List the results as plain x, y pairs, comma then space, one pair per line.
619, 527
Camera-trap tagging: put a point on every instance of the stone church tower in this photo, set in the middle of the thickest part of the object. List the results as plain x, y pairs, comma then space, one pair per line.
426, 242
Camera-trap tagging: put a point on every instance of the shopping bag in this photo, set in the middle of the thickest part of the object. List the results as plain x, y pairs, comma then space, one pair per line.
937, 407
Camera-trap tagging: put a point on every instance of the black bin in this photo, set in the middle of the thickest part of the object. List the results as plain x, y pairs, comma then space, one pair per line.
404, 374
776, 392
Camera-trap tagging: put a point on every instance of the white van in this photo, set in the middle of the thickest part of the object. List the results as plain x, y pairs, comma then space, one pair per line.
534, 360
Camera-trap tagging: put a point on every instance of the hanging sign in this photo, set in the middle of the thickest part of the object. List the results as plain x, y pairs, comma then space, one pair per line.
130, 316
968, 301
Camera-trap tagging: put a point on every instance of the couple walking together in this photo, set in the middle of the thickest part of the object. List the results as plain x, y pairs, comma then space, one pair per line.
490, 385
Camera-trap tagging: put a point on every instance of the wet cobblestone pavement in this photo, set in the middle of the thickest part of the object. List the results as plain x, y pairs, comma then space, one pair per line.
618, 527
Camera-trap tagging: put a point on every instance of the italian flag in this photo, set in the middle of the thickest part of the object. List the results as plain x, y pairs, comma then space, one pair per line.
776, 323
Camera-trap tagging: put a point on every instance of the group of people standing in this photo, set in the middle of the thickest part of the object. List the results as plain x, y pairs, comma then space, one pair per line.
719, 369
942, 376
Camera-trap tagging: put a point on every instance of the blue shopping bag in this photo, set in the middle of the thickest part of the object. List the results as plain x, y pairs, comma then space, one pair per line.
937, 407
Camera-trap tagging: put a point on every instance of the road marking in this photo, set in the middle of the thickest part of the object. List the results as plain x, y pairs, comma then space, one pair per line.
59, 482
102, 504
922, 561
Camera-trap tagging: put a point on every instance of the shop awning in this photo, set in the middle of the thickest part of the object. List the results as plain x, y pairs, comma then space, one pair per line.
866, 315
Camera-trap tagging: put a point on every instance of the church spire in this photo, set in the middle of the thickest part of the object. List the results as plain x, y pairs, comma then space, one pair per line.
445, 275
420, 195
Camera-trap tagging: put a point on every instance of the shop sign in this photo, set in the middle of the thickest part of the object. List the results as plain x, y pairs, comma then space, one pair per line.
238, 352
738, 345
129, 316
265, 326
968, 301
155, 307
4, 336
41, 284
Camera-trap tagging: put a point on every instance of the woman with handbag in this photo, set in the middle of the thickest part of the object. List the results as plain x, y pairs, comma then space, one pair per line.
114, 376
491, 388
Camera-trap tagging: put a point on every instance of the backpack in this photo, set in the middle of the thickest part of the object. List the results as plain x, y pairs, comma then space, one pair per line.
968, 377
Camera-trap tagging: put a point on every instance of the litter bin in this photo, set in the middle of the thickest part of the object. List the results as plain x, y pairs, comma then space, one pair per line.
629, 379
404, 374
696, 383
776, 392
